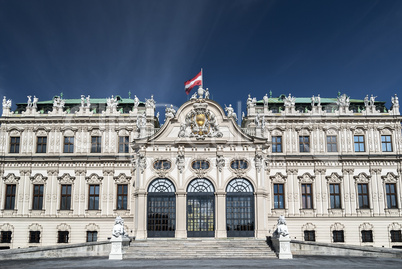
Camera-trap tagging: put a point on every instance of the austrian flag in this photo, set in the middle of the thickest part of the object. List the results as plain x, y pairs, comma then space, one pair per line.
196, 81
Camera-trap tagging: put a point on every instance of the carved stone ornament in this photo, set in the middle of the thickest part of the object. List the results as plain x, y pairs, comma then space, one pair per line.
334, 178
258, 161
7, 227
337, 227
390, 178
11, 178
362, 178
63, 227
142, 162
66, 179
306, 178
180, 161
278, 178
38, 179
309, 227
395, 226
122, 178
94, 179
201, 123
35, 227
366, 226
220, 162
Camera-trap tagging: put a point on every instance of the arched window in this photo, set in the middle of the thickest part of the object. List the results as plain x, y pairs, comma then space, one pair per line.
200, 185
161, 185
239, 185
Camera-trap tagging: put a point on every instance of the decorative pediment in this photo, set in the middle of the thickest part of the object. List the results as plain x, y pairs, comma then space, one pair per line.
278, 178
395, 226
11, 179
63, 227
366, 226
92, 227
200, 123
334, 178
362, 178
306, 178
66, 179
7, 227
309, 227
122, 178
390, 178
35, 227
94, 179
337, 226
38, 179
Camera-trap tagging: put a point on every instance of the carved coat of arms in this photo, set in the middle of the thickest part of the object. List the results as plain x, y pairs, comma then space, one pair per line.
200, 123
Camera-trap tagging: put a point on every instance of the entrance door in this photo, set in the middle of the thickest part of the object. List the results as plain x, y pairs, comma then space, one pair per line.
200, 209
161, 209
240, 208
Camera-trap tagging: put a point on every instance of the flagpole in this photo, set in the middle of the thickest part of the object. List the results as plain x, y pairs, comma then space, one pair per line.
202, 80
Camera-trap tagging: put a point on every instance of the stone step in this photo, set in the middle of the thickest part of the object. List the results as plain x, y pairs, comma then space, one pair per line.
199, 248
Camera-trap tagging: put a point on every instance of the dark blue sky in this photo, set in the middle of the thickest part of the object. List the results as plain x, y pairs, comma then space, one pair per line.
113, 47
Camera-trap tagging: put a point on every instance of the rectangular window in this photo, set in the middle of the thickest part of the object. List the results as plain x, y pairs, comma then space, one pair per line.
396, 236
279, 196
309, 236
307, 196
92, 236
62, 236
93, 201
122, 196
338, 236
124, 144
10, 197
390, 189
5, 237
96, 144
41, 144
14, 145
65, 202
68, 144
304, 142
277, 144
386, 144
367, 236
359, 143
331, 144
34, 236
37, 197
335, 195
362, 190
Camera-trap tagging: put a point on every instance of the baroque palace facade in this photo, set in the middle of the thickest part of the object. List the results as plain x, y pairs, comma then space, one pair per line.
331, 166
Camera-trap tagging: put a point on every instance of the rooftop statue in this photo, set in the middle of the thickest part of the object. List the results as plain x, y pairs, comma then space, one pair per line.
343, 100
366, 101
83, 101
111, 102
207, 94
394, 100
150, 102
372, 100
249, 100
6, 103
290, 101
265, 99
194, 96
58, 102
318, 100
35, 101
29, 102
136, 101
230, 112
169, 112
312, 101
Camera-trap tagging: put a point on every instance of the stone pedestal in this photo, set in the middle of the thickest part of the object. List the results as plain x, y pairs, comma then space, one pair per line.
116, 251
282, 247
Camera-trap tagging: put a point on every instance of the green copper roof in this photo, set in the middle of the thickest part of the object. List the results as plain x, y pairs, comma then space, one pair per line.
93, 101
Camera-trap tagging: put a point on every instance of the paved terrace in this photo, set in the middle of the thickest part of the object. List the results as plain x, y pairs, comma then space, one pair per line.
297, 262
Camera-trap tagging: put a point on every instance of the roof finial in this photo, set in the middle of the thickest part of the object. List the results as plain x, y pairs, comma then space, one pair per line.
270, 94
61, 95
129, 94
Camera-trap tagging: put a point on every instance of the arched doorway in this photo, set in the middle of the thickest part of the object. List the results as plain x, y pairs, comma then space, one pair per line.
200, 208
240, 208
161, 208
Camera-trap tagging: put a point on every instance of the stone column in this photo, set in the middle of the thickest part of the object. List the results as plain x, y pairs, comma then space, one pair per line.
141, 215
220, 215
181, 215
261, 213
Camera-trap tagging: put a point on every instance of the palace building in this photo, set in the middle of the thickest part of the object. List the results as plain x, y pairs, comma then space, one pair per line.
331, 166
